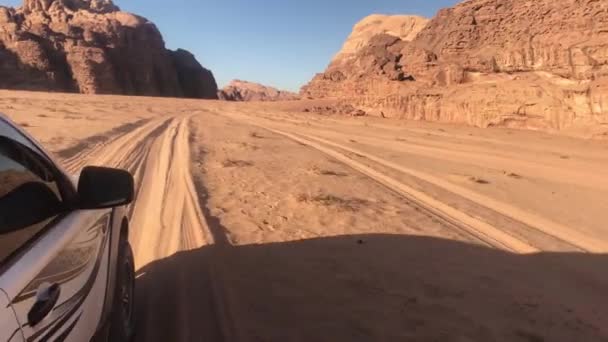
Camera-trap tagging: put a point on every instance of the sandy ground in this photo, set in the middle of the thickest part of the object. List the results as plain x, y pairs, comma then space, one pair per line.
257, 222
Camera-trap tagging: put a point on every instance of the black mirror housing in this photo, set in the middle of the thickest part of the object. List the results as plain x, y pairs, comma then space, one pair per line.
101, 188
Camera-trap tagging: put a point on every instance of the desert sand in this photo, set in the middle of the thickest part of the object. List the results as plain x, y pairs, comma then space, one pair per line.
259, 222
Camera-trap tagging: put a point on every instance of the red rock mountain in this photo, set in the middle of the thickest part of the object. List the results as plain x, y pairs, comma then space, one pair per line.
90, 46
239, 90
539, 64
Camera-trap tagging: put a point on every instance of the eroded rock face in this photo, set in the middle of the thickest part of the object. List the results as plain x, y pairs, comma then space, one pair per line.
90, 46
539, 64
196, 81
239, 90
404, 27
99, 6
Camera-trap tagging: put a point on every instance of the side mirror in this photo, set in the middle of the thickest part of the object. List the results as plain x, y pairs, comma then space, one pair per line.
100, 188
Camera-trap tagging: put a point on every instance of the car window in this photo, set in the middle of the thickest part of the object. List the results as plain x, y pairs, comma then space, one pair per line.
29, 195
66, 188
8, 131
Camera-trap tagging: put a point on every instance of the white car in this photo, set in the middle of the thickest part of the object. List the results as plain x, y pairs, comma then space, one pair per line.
66, 266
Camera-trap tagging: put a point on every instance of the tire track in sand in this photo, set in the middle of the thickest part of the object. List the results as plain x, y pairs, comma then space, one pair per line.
119, 151
167, 213
166, 218
465, 221
569, 235
479, 229
452, 217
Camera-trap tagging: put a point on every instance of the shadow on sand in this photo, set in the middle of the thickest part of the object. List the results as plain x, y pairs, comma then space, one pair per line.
374, 288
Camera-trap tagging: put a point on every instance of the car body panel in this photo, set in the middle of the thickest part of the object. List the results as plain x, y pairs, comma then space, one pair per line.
119, 231
9, 326
31, 262
78, 251
79, 266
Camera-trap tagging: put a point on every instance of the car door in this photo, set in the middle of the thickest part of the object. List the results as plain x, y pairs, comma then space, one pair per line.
10, 330
52, 268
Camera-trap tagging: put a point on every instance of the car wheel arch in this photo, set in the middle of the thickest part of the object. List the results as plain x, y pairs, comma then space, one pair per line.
119, 230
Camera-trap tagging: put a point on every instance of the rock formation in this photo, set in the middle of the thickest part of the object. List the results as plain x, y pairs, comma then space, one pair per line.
196, 81
539, 64
404, 27
239, 90
90, 46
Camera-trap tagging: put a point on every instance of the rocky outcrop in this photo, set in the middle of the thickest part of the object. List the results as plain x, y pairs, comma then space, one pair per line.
196, 81
97, 6
90, 46
336, 109
404, 27
239, 90
372, 53
539, 64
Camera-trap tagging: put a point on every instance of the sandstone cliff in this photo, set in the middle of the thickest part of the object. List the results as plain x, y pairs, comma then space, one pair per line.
539, 64
404, 27
239, 90
90, 46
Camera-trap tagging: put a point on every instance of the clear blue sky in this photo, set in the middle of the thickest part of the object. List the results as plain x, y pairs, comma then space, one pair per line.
282, 43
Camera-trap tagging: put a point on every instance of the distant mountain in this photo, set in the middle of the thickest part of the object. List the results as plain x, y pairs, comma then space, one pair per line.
239, 90
90, 46
539, 64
